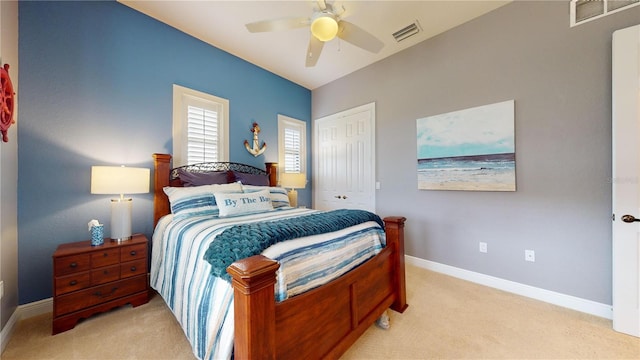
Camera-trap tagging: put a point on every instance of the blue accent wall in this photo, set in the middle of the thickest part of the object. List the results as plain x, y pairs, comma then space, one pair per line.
96, 89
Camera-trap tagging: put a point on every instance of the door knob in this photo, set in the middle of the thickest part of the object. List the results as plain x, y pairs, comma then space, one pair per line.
629, 218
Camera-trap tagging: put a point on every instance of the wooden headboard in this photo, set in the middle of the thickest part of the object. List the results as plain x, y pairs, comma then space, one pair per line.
164, 175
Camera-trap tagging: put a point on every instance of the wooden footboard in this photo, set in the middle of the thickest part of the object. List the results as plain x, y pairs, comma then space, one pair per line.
323, 322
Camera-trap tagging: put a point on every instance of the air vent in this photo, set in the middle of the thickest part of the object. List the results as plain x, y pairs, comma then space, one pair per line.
586, 10
407, 31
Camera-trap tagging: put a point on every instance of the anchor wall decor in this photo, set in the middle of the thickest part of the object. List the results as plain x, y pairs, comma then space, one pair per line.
255, 150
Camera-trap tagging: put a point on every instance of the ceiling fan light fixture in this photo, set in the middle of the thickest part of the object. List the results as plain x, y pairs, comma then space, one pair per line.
324, 26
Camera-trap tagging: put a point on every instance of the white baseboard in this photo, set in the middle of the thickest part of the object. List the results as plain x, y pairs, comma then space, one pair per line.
7, 331
23, 312
567, 301
36, 308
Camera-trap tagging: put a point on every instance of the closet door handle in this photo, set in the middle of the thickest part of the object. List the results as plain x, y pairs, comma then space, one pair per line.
629, 218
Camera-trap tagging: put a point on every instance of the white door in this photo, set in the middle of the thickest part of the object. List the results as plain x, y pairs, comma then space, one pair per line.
344, 160
626, 174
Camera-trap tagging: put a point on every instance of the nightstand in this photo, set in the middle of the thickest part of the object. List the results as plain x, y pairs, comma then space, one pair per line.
91, 279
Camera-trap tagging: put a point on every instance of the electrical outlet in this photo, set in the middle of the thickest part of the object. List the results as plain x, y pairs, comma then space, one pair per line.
1, 289
530, 255
483, 247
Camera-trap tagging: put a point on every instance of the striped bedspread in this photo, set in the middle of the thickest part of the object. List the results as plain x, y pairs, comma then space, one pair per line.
203, 304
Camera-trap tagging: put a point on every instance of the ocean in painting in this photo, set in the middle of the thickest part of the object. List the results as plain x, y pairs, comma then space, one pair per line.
491, 172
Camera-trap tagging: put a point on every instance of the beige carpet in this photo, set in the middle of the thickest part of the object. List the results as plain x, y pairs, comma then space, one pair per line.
447, 318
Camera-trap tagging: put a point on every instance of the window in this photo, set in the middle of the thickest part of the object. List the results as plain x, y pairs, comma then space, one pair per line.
200, 127
292, 145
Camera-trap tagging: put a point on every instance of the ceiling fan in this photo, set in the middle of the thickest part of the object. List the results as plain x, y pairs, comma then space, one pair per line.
325, 24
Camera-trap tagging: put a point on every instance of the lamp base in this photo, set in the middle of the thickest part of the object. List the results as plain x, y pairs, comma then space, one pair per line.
293, 197
121, 239
121, 219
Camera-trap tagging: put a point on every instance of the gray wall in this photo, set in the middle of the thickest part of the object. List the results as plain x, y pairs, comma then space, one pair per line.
560, 78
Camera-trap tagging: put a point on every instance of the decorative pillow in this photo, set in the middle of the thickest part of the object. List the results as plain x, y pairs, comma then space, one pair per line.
244, 203
197, 200
198, 179
279, 197
251, 179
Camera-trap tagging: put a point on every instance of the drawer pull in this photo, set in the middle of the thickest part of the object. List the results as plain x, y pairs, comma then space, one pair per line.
105, 254
132, 253
133, 269
99, 293
73, 282
73, 265
105, 272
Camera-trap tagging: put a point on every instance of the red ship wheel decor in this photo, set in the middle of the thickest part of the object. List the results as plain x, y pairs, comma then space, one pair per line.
7, 102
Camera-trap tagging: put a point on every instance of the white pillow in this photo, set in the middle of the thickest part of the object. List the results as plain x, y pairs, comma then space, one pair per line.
197, 200
242, 204
279, 196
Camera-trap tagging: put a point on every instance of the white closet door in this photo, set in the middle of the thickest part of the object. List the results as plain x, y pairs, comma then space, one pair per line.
344, 160
625, 186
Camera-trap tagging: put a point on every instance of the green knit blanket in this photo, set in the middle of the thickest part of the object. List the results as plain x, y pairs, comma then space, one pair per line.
245, 240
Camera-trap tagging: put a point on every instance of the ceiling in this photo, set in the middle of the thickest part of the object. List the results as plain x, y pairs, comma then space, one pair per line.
222, 24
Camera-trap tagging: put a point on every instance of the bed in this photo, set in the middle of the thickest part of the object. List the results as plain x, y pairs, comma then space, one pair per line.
263, 319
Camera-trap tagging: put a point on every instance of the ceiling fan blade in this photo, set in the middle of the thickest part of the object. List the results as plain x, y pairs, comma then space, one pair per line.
322, 4
359, 37
313, 51
278, 24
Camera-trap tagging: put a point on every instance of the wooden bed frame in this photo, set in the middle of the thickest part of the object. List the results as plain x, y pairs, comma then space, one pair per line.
319, 324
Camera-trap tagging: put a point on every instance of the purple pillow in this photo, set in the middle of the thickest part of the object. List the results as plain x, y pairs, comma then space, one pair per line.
251, 179
208, 178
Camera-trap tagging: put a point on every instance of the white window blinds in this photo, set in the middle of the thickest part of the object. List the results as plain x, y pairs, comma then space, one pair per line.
200, 127
292, 149
292, 145
202, 135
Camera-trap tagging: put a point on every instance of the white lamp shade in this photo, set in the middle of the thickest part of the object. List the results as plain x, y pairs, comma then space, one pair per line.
293, 180
119, 180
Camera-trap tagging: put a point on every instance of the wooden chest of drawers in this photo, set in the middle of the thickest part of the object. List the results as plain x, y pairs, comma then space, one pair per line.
91, 279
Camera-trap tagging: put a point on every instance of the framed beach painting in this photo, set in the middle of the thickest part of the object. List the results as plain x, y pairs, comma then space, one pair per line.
471, 149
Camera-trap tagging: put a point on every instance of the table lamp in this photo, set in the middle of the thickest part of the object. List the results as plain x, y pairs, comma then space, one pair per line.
120, 180
293, 181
